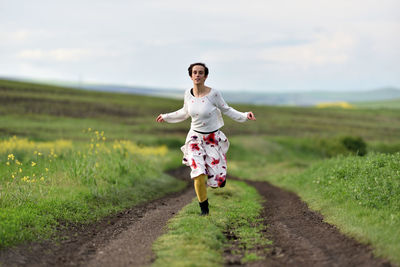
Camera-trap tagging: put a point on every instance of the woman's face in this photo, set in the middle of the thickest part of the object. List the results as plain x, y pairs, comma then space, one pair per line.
198, 74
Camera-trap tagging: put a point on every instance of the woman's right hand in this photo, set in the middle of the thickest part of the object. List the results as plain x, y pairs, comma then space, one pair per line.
159, 118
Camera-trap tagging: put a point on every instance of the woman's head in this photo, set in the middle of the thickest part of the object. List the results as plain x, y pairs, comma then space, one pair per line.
190, 69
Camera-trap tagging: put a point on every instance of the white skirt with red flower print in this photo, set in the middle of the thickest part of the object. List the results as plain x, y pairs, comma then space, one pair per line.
206, 154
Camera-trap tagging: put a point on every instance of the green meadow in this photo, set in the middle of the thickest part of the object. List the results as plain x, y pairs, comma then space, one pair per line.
342, 162
387, 104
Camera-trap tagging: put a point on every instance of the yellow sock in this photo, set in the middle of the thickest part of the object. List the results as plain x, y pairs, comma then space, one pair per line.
200, 187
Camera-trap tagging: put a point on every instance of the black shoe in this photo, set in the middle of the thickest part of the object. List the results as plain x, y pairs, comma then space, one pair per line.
204, 207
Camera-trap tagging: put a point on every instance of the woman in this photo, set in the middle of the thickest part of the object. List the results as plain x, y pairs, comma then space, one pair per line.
206, 146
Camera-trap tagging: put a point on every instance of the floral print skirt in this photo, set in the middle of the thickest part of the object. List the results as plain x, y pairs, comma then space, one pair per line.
206, 154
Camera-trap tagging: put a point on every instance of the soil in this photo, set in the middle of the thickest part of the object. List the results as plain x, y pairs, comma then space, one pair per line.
300, 236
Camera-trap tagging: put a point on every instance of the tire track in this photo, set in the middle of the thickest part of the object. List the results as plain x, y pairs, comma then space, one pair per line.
301, 237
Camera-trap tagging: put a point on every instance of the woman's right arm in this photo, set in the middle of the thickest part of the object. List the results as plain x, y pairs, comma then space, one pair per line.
176, 116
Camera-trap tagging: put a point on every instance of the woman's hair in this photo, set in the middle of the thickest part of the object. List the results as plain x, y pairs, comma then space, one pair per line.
200, 64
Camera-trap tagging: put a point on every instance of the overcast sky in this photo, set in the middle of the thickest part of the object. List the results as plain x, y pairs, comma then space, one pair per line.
253, 45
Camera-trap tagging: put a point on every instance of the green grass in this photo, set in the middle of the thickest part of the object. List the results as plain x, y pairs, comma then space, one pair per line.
42, 189
48, 112
194, 240
384, 104
286, 145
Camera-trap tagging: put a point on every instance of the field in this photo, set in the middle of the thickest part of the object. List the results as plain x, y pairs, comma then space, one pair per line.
388, 104
85, 155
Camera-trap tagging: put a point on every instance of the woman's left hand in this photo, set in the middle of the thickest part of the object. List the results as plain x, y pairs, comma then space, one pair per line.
251, 116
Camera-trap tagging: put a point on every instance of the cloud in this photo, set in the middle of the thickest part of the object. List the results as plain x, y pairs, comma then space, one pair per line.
19, 36
339, 41
64, 54
326, 49
322, 49
60, 54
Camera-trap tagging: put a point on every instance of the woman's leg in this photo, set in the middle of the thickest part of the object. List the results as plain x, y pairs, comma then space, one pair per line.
201, 192
200, 187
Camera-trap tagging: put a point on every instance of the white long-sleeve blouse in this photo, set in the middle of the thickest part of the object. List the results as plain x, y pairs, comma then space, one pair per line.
205, 111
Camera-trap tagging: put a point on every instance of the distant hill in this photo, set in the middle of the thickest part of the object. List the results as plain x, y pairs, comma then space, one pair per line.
313, 97
310, 98
293, 99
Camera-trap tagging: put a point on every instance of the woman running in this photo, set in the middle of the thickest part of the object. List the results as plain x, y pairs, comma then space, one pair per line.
206, 146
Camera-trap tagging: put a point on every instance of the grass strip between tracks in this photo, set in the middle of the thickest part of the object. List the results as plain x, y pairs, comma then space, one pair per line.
233, 226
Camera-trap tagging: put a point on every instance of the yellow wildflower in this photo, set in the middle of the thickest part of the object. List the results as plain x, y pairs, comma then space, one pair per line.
13, 176
104, 138
340, 104
97, 145
42, 178
39, 154
10, 156
8, 163
33, 164
17, 162
46, 169
89, 129
20, 170
33, 175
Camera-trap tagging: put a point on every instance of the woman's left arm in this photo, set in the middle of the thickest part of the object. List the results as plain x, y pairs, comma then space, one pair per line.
250, 116
231, 112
